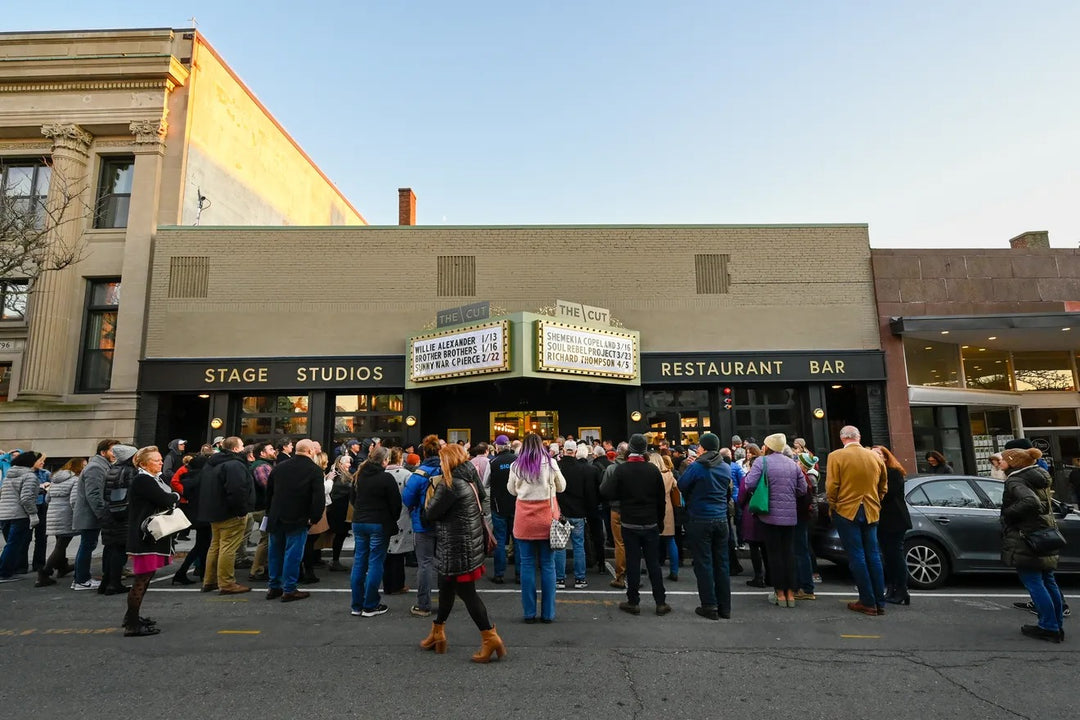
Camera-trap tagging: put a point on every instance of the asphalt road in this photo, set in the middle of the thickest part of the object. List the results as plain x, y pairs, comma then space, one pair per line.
952, 653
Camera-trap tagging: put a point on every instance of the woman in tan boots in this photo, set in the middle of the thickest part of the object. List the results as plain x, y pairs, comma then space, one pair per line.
460, 549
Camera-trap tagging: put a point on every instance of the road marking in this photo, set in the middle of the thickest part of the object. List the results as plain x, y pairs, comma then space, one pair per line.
238, 632
227, 599
861, 637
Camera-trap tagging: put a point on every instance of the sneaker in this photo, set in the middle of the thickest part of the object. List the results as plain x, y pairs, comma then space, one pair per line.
816, 577
90, 584
1030, 607
375, 611
581, 584
418, 611
359, 613
560, 584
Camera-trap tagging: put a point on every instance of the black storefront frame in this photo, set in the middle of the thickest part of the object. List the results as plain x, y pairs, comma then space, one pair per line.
229, 379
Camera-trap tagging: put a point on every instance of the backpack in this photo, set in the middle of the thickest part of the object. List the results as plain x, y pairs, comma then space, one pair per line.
117, 481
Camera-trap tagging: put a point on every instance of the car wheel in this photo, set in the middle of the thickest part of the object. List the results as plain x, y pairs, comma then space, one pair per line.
927, 564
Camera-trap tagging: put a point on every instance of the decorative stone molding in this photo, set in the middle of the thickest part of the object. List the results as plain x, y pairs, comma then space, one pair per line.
85, 85
33, 146
149, 132
67, 136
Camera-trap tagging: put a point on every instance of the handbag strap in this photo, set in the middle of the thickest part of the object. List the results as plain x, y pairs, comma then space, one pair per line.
765, 470
551, 497
477, 496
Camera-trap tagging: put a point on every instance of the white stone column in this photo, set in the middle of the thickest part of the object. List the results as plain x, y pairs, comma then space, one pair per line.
52, 307
138, 242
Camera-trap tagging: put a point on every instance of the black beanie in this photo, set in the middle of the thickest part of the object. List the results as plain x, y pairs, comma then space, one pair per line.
638, 444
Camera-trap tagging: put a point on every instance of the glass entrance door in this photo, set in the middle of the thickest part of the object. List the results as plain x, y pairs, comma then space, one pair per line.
515, 424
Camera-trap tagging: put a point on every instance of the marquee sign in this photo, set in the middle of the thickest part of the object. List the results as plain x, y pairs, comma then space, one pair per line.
575, 350
475, 350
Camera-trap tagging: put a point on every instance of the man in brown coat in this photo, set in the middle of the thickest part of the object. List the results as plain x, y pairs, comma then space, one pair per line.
855, 483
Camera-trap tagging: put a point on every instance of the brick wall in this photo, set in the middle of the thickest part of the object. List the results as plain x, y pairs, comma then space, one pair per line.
961, 282
359, 291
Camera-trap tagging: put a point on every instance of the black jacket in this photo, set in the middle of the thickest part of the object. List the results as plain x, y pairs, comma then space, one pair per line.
228, 490
147, 496
295, 495
192, 482
1025, 507
894, 512
376, 498
582, 487
639, 489
459, 525
502, 502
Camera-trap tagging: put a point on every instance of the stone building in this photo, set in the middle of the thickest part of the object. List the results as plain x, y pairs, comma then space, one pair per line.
136, 128
981, 346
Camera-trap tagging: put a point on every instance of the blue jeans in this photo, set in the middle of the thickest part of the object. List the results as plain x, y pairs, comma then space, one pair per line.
672, 553
577, 544
500, 526
425, 568
1044, 591
804, 566
284, 553
859, 539
367, 570
709, 543
88, 540
530, 551
17, 538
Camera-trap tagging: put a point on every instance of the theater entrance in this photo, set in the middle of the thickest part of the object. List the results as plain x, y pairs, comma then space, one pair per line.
481, 411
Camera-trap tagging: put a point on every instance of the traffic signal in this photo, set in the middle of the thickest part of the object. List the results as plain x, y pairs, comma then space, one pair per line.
729, 399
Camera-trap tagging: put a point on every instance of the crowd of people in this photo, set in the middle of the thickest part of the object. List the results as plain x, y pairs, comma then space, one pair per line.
445, 507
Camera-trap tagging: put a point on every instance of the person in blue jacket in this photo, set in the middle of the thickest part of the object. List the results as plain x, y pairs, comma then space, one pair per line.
706, 487
414, 497
5, 462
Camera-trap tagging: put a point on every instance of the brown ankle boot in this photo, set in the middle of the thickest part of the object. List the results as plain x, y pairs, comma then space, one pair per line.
436, 639
491, 643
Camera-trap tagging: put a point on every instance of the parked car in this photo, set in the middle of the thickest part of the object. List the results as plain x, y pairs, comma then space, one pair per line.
956, 529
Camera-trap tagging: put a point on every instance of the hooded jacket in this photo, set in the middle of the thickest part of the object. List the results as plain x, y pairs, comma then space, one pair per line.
706, 487
228, 490
18, 495
58, 516
89, 491
376, 498
459, 524
416, 490
1026, 506
172, 461
786, 483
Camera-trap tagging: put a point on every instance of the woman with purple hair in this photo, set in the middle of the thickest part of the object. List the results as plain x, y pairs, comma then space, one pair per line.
535, 479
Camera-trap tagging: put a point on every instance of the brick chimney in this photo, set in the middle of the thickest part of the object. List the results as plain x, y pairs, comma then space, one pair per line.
1031, 239
406, 206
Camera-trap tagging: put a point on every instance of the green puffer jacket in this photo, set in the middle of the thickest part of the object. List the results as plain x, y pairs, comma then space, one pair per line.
1026, 506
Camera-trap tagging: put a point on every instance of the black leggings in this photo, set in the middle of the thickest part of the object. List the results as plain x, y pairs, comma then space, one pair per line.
780, 542
197, 554
58, 558
113, 559
135, 598
759, 560
339, 542
467, 592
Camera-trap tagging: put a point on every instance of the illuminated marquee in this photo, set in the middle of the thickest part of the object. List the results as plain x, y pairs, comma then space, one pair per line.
585, 351
476, 350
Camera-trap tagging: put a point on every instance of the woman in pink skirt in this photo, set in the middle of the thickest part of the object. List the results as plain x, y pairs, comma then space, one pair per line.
149, 494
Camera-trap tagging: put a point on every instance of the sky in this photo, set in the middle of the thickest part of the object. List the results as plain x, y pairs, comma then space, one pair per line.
940, 124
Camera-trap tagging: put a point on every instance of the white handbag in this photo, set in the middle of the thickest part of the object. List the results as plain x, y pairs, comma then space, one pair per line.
166, 523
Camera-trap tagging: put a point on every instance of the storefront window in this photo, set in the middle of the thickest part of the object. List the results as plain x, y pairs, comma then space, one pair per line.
677, 416
931, 363
268, 417
986, 369
1043, 371
990, 430
937, 428
367, 416
765, 409
1048, 417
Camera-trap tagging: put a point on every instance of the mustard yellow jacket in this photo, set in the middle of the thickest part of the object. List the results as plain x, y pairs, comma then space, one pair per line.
855, 476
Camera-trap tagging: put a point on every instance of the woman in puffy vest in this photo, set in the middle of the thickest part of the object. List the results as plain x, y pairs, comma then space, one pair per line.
58, 520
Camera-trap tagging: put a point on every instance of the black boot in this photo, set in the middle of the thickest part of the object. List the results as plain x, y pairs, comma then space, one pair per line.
43, 579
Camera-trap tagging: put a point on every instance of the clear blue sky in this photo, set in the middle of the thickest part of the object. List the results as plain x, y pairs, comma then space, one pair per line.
940, 124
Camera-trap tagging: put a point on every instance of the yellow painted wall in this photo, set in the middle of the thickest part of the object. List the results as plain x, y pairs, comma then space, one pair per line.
240, 158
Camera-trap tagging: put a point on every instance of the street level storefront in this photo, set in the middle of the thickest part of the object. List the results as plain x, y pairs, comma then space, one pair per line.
474, 332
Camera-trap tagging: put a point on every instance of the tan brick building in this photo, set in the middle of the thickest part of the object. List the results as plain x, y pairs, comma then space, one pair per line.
315, 341
140, 128
981, 346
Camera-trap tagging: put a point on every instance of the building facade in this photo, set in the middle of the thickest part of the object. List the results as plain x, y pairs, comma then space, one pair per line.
127, 130
664, 328
981, 346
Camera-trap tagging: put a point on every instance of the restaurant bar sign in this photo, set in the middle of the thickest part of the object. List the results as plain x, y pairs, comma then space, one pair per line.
757, 367
575, 350
474, 350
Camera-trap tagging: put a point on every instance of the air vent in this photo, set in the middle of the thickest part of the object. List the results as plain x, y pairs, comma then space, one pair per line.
457, 276
711, 273
189, 277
